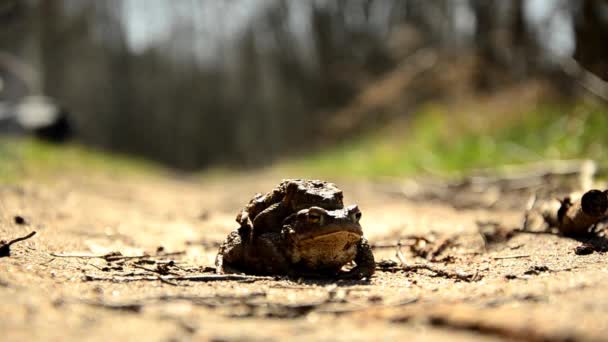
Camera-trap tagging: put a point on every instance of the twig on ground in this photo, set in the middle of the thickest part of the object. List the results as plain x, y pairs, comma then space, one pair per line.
442, 273
5, 247
46, 263
391, 244
161, 271
167, 281
518, 256
115, 256
438, 248
437, 272
404, 302
196, 278
129, 307
89, 256
400, 256
137, 305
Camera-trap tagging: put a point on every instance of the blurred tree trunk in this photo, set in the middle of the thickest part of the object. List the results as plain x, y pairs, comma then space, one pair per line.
487, 56
52, 55
14, 25
523, 43
591, 34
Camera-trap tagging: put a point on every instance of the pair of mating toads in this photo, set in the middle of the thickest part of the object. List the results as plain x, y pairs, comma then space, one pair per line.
301, 228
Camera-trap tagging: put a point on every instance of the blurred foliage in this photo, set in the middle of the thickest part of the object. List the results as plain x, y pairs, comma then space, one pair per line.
23, 158
438, 142
246, 82
441, 142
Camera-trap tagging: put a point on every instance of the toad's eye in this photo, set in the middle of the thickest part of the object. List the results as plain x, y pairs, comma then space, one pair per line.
316, 214
314, 217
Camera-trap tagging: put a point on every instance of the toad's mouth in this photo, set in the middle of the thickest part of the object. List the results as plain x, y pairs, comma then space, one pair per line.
352, 232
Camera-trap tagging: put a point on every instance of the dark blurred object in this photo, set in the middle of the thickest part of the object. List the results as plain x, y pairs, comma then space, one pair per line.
41, 117
59, 131
584, 249
591, 29
38, 116
24, 113
19, 220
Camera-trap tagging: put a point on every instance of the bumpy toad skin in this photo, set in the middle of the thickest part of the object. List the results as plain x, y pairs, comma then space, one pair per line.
265, 213
311, 242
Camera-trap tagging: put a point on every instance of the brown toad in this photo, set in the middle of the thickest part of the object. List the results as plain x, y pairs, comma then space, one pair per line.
265, 213
305, 231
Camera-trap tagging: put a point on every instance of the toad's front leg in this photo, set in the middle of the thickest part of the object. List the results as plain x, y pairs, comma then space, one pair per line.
231, 254
366, 265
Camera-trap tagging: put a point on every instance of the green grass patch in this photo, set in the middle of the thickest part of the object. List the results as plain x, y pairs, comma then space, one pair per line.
22, 158
433, 140
445, 143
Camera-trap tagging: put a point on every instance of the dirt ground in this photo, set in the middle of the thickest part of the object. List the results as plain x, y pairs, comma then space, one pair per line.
65, 284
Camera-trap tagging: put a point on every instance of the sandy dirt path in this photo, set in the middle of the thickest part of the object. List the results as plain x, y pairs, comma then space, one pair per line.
523, 287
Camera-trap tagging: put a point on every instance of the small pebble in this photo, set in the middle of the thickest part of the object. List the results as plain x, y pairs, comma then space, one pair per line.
375, 299
19, 220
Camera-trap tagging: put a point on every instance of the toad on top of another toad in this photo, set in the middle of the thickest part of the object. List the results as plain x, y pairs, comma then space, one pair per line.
301, 228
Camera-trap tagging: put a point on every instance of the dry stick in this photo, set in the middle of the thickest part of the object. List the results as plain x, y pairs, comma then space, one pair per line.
160, 274
88, 256
441, 246
198, 298
157, 271
5, 247
113, 257
391, 244
197, 278
166, 281
404, 302
511, 256
130, 307
400, 256
438, 272
136, 306
399, 241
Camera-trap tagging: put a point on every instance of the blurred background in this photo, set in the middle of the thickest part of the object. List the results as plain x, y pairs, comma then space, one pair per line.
361, 87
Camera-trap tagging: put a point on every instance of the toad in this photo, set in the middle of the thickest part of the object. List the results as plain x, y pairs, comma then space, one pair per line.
304, 230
